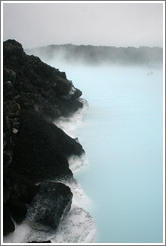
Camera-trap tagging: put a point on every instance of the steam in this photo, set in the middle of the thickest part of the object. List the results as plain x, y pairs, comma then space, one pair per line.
76, 163
98, 55
71, 124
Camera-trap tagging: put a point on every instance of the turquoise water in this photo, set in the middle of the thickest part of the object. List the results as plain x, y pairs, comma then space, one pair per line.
122, 136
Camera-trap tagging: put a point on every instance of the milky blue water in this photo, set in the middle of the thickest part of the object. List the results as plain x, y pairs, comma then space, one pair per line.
122, 136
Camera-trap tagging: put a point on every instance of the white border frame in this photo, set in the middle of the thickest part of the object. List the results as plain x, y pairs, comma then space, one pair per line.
163, 2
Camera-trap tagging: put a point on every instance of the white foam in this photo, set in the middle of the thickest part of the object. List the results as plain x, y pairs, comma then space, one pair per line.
70, 124
77, 162
19, 234
77, 226
80, 198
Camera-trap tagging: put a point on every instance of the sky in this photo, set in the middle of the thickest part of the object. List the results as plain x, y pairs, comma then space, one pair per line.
109, 23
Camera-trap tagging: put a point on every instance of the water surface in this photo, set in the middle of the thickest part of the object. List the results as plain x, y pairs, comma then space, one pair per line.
122, 136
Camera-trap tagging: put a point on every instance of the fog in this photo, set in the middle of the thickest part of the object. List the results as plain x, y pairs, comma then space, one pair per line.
87, 23
98, 55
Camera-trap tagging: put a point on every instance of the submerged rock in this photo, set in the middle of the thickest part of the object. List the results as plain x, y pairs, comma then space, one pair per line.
49, 206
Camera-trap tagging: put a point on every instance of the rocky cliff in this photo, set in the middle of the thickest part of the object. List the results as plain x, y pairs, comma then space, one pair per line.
35, 150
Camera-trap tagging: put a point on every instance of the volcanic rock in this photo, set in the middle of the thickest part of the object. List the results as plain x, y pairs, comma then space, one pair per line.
51, 203
41, 149
34, 149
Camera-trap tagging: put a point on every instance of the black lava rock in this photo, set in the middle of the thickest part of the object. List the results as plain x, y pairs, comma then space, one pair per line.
34, 149
41, 149
36, 85
51, 203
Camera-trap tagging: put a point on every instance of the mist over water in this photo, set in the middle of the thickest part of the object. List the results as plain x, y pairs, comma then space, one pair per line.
122, 135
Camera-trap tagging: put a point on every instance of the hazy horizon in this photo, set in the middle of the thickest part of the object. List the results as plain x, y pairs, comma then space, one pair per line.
84, 23
73, 44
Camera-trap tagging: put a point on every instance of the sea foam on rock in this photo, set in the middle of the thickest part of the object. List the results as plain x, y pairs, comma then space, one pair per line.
76, 227
77, 162
71, 123
69, 126
49, 206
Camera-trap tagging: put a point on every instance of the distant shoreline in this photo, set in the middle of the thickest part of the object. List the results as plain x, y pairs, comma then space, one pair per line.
90, 54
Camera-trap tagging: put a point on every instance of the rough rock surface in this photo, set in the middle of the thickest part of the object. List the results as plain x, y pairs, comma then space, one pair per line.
34, 149
41, 149
34, 85
49, 206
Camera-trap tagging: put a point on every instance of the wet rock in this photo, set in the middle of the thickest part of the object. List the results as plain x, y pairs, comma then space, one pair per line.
77, 227
51, 203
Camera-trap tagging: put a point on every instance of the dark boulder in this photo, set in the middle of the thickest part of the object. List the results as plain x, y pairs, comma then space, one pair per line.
49, 205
